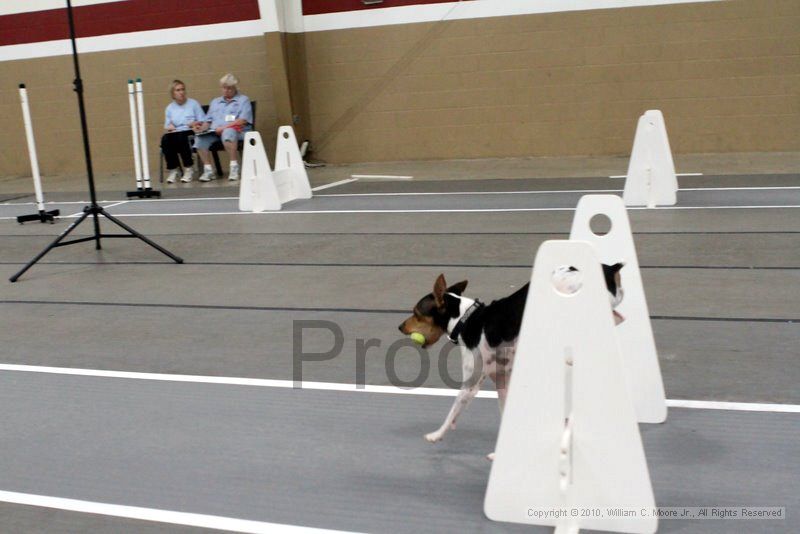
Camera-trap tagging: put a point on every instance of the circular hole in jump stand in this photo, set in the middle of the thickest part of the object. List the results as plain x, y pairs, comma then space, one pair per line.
252, 142
600, 224
567, 280
286, 135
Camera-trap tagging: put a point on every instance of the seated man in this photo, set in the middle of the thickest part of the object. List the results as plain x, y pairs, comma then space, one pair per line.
228, 118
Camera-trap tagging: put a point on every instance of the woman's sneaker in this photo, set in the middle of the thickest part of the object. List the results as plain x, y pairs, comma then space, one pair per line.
188, 174
207, 176
173, 174
233, 174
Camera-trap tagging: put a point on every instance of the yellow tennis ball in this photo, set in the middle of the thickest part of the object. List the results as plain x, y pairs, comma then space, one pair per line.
418, 338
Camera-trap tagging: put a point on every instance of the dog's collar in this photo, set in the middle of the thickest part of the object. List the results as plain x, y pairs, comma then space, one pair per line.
453, 336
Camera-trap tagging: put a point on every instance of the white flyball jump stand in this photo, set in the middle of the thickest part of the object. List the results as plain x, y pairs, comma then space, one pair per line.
635, 333
139, 134
265, 189
569, 439
651, 179
43, 215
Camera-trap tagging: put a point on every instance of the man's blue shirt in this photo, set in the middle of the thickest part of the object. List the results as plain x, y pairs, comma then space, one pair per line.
221, 112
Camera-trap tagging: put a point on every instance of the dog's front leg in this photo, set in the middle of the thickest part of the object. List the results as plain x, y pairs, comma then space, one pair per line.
462, 401
470, 385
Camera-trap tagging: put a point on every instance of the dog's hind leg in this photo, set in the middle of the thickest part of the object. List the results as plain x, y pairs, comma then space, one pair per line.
501, 398
500, 372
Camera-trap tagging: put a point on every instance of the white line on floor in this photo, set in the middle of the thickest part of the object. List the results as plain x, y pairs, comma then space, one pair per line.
117, 204
332, 386
335, 184
667, 208
152, 514
380, 177
676, 174
54, 203
773, 188
475, 210
448, 193
734, 406
138, 201
548, 192
440, 193
187, 199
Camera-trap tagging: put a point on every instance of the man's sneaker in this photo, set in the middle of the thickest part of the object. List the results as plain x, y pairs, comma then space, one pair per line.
207, 176
188, 174
233, 175
172, 175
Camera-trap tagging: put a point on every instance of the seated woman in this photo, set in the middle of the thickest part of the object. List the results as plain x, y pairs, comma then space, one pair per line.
229, 117
183, 115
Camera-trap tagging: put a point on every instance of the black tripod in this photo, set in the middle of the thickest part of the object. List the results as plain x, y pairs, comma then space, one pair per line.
92, 209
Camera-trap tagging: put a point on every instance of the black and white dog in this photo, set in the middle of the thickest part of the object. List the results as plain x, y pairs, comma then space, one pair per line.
486, 334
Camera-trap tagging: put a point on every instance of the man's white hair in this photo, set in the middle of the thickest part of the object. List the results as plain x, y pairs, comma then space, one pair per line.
229, 80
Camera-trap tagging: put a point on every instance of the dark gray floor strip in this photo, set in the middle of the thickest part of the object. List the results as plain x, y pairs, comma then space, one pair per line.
349, 310
691, 232
448, 265
725, 319
18, 197
201, 306
721, 267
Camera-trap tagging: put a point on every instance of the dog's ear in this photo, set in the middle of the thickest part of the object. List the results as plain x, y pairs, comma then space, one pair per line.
610, 270
458, 289
439, 289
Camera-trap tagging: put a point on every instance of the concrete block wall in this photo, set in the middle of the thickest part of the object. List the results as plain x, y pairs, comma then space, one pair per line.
54, 107
725, 74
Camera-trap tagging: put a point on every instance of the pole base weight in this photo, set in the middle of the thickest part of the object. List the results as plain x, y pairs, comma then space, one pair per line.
42, 216
144, 193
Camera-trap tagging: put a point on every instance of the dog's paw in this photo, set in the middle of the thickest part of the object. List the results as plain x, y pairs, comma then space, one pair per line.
490, 457
433, 437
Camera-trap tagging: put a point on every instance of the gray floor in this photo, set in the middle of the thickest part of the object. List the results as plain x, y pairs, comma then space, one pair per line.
723, 287
518, 199
349, 461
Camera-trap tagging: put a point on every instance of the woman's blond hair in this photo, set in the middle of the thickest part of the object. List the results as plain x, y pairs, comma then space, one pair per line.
173, 85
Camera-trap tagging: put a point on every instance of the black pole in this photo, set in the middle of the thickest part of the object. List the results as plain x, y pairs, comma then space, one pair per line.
78, 87
93, 209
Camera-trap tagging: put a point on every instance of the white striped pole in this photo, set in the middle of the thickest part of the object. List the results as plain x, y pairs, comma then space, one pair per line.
135, 135
43, 215
142, 134
26, 117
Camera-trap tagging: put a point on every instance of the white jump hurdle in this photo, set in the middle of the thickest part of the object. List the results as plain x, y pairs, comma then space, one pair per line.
266, 189
569, 438
635, 334
651, 179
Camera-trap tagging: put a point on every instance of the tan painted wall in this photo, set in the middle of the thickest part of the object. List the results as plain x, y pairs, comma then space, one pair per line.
725, 74
54, 107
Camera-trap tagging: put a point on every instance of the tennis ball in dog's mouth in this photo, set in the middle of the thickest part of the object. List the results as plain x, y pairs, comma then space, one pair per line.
418, 338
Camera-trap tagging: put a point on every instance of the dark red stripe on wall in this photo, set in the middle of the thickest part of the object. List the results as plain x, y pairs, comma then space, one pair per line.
318, 7
122, 17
